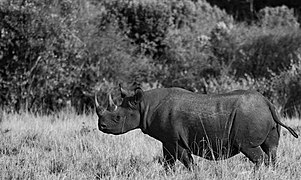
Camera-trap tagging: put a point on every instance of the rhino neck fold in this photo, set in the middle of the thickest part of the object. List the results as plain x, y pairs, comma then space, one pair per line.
144, 112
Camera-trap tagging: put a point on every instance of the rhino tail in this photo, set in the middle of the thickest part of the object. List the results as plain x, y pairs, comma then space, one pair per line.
277, 120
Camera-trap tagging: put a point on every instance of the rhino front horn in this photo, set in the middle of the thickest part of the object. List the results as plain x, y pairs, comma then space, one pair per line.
99, 109
111, 104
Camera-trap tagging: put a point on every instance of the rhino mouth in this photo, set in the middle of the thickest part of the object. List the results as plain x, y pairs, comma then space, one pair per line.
108, 131
104, 130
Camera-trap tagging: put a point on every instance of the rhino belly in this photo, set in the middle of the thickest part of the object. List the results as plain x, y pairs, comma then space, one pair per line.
213, 149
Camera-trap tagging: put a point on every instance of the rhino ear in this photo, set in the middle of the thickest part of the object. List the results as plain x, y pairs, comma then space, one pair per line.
138, 94
136, 85
123, 92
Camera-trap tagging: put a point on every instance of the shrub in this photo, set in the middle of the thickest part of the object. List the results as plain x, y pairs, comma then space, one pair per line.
149, 22
267, 53
145, 22
286, 89
26, 34
55, 54
52, 54
185, 58
223, 44
282, 89
277, 17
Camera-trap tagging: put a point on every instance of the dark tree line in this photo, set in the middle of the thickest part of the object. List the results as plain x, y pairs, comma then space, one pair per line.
248, 9
56, 54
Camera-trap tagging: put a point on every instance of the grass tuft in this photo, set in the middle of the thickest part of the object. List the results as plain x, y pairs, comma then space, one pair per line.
70, 146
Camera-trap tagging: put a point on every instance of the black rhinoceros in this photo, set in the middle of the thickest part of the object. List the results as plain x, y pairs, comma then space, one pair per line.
211, 126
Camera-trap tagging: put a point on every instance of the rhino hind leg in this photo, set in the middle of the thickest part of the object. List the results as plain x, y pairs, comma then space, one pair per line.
170, 155
269, 146
255, 154
172, 152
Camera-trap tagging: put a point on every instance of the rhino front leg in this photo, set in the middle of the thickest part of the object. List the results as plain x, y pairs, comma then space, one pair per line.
170, 155
172, 152
185, 157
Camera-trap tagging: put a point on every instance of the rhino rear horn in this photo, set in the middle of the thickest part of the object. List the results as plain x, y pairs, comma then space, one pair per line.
111, 104
136, 85
124, 93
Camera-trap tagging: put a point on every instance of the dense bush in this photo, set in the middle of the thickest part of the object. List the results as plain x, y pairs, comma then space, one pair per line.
145, 22
278, 17
55, 54
27, 35
270, 52
185, 58
286, 89
50, 56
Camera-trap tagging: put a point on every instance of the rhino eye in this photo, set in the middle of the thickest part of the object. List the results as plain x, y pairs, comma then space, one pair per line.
118, 117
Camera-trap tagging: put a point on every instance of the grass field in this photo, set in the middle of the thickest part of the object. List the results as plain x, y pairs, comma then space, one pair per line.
68, 146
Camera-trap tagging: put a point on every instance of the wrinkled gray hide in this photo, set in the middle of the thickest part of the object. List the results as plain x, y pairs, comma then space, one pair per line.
211, 126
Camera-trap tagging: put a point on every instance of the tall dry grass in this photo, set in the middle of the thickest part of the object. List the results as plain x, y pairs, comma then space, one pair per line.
67, 146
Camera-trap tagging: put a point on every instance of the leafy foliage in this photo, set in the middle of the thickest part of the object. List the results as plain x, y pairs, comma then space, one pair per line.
271, 52
57, 54
286, 88
279, 16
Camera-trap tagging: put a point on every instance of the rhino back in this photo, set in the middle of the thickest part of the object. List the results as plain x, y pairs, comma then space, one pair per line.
238, 116
181, 110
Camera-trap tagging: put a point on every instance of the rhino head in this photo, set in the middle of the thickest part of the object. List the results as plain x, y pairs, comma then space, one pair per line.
120, 119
